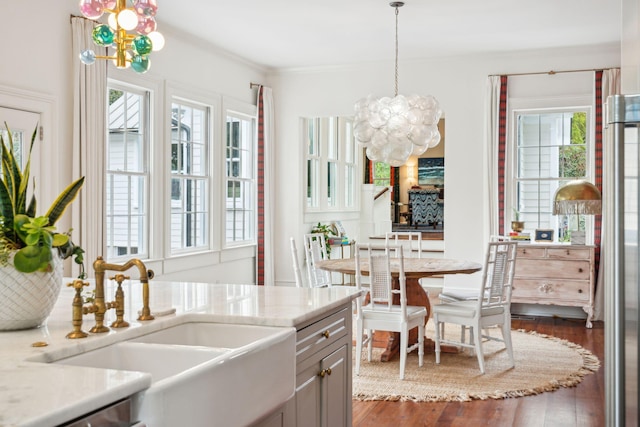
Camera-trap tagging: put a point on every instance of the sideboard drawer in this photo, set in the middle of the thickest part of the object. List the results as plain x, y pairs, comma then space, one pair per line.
553, 268
550, 291
569, 253
529, 252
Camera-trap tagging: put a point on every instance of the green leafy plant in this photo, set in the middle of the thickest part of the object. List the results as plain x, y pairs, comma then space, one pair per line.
327, 230
28, 237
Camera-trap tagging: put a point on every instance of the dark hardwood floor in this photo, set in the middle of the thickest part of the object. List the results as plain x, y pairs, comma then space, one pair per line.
581, 406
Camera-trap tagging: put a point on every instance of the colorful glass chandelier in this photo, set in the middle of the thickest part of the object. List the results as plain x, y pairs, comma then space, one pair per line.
130, 30
392, 129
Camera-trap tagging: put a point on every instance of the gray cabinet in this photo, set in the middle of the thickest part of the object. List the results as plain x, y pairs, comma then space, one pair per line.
323, 371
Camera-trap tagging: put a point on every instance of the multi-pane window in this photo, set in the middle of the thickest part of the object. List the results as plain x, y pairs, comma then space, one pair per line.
552, 148
381, 174
313, 163
127, 175
331, 163
189, 216
240, 178
345, 134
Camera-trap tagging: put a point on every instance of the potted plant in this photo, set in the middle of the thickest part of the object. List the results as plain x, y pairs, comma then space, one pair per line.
31, 250
327, 230
516, 224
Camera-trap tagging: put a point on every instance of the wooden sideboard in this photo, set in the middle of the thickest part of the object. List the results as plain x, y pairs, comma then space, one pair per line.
555, 274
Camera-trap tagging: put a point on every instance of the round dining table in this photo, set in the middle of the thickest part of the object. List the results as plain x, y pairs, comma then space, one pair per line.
414, 269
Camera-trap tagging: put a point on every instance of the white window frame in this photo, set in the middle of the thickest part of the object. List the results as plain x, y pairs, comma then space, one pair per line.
331, 149
545, 105
205, 178
145, 172
242, 111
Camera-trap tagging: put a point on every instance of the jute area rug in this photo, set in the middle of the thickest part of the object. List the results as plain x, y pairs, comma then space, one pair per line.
543, 363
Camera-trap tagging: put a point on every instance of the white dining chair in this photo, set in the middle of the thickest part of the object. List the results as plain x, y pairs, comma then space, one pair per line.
491, 307
411, 241
376, 310
315, 248
452, 295
296, 265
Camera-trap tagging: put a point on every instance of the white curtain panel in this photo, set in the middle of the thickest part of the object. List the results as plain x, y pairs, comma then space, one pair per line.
492, 127
269, 205
610, 86
89, 134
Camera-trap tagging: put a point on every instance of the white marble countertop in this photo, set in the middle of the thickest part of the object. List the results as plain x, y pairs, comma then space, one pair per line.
33, 393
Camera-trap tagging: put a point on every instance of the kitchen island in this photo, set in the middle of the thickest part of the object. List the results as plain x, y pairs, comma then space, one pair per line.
33, 393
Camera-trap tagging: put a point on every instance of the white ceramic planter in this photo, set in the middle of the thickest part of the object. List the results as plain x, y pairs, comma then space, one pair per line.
27, 299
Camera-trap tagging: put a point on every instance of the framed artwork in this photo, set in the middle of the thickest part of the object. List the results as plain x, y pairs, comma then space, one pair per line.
544, 235
431, 171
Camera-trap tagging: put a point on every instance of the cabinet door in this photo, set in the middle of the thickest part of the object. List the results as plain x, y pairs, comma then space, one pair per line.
322, 392
309, 397
335, 391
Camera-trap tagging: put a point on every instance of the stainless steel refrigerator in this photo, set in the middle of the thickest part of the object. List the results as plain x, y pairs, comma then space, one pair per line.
621, 296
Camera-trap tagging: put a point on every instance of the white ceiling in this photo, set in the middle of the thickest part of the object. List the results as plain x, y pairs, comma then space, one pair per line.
313, 33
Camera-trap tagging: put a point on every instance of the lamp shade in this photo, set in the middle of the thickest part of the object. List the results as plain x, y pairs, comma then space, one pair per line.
577, 197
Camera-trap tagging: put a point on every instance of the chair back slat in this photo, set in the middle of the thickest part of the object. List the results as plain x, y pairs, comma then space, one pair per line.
411, 241
498, 274
296, 264
316, 250
380, 287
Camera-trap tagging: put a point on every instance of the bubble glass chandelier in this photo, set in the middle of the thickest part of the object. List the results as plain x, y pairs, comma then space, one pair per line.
392, 129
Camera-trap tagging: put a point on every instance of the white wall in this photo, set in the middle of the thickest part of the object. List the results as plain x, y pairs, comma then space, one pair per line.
36, 57
459, 85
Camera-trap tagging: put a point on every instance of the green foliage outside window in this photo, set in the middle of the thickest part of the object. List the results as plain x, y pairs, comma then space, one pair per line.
573, 158
381, 174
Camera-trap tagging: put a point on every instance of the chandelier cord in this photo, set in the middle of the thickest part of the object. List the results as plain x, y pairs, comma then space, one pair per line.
396, 92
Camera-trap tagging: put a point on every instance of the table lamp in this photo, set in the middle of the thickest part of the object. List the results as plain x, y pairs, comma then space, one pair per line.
577, 197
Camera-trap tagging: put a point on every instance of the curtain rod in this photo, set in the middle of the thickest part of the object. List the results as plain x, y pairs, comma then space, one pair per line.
252, 85
552, 72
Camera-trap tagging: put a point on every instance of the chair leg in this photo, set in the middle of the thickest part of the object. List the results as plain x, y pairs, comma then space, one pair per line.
404, 344
471, 337
506, 336
370, 333
478, 347
437, 337
359, 339
421, 344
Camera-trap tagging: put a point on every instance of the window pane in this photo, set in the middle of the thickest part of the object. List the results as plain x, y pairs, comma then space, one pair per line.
127, 177
551, 146
381, 174
312, 182
331, 138
190, 174
332, 183
349, 196
312, 137
241, 186
349, 141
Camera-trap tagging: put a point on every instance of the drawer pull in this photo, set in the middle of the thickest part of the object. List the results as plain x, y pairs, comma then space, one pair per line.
568, 252
579, 291
324, 372
580, 270
545, 287
326, 334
